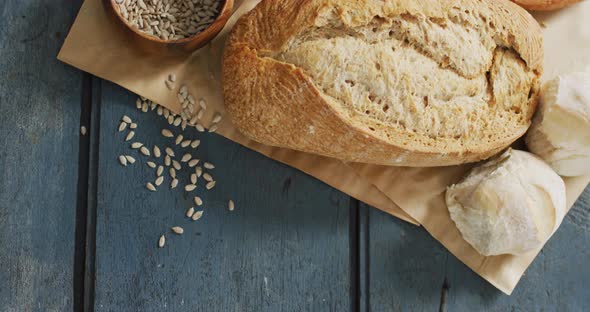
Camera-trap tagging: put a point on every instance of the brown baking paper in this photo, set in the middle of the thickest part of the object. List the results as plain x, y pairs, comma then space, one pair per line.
97, 45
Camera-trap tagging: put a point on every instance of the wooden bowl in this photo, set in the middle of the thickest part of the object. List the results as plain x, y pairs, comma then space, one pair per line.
152, 44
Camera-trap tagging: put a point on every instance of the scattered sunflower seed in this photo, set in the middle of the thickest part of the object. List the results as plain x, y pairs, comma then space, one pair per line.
138, 103
167, 161
122, 126
190, 212
203, 104
200, 114
129, 136
151, 164
144, 150
130, 159
179, 139
83, 130
157, 152
197, 215
185, 143
199, 171
190, 187
177, 230
167, 133
198, 201
195, 143
150, 187
193, 162
133, 126
176, 165
159, 180
123, 160
177, 121
172, 77
144, 107
216, 118
160, 170
210, 185
186, 157
162, 241
136, 145
194, 178
207, 177
174, 183
169, 152
213, 128
172, 172
208, 165
231, 205
127, 119
200, 127
169, 85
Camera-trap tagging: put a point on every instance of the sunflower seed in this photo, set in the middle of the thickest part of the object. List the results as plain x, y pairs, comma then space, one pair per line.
144, 150
177, 230
231, 205
167, 133
157, 151
169, 152
168, 85
83, 130
185, 143
136, 145
167, 161
207, 177
198, 201
176, 165
133, 126
190, 187
150, 187
130, 159
160, 170
172, 172
200, 114
123, 160
183, 124
174, 183
183, 90
138, 103
144, 107
190, 212
195, 143
213, 128
186, 157
208, 165
199, 171
179, 139
162, 241
210, 185
193, 162
194, 178
159, 180
200, 127
172, 77
216, 118
122, 126
203, 104
197, 215
177, 121
127, 119
130, 136
151, 164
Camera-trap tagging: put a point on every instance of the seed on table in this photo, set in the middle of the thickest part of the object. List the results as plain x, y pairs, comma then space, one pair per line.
167, 133
169, 152
179, 139
200, 127
122, 126
172, 77
151, 164
208, 165
157, 151
185, 143
144, 150
174, 183
162, 241
207, 177
123, 160
138, 103
160, 170
186, 157
144, 107
203, 104
127, 119
170, 120
183, 124
195, 143
190, 212
159, 111
133, 126
172, 172
183, 90
197, 215
216, 118
210, 185
176, 165
200, 114
194, 120
168, 85
177, 121
198, 201
190, 99
193, 162
231, 205
177, 229
136, 145
167, 161
166, 112
213, 128
190, 187
130, 159
199, 171
194, 178
83, 130
129, 136
150, 187
159, 180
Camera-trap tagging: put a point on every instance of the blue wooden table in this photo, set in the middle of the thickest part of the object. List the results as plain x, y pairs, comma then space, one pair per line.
79, 232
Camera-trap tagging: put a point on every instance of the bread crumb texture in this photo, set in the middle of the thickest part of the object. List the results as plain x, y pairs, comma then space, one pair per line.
448, 81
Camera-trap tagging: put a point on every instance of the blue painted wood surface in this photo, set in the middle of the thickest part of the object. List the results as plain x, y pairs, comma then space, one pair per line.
39, 143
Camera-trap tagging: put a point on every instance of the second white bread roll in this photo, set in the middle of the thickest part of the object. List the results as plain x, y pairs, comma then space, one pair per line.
510, 204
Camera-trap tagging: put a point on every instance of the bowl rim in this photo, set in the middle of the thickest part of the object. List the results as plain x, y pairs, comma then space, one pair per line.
202, 36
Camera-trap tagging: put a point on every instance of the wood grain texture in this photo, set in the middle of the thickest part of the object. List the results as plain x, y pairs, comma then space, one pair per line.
284, 248
39, 139
554, 282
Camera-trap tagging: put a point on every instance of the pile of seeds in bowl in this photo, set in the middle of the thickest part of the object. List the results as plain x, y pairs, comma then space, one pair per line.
169, 161
169, 19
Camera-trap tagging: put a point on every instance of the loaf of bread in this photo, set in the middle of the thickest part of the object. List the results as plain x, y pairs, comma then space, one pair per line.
544, 5
406, 82
510, 204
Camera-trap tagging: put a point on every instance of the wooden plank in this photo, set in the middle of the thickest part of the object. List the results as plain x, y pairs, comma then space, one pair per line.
39, 139
284, 248
556, 280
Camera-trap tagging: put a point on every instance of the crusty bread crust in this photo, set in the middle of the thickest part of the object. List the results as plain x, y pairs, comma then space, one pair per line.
544, 5
278, 103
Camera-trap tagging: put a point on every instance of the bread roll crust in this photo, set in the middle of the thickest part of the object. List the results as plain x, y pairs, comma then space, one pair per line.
544, 5
278, 95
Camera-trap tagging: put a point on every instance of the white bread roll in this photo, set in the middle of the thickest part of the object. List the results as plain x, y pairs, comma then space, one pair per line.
560, 133
510, 204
